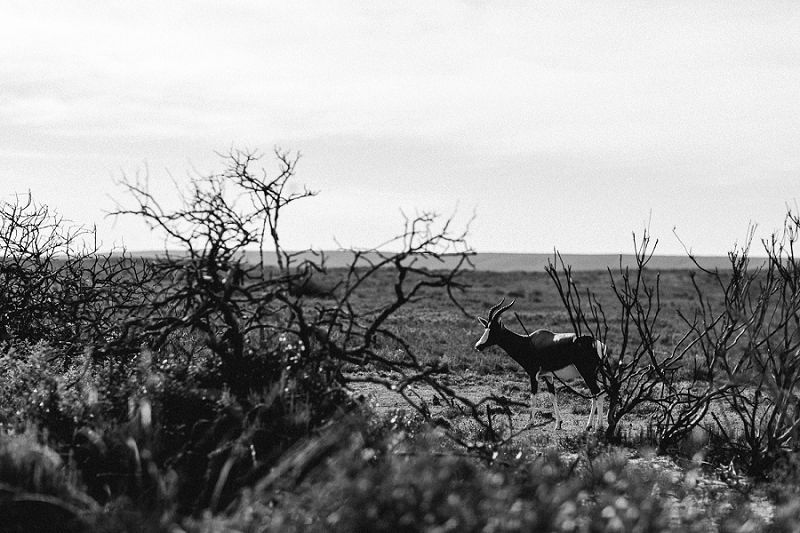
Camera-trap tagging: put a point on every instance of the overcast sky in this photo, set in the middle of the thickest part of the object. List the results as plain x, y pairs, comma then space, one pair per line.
561, 124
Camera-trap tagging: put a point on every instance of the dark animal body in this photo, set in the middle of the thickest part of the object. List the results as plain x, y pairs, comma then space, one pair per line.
547, 355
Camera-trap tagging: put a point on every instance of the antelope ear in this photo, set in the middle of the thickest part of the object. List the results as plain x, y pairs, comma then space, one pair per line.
484, 322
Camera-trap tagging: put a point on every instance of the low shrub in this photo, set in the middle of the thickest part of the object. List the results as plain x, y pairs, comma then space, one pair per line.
358, 476
31, 394
37, 490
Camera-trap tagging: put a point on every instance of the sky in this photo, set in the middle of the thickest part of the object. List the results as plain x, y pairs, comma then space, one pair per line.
559, 125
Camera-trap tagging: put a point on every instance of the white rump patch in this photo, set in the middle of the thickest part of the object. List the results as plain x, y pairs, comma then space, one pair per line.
601, 349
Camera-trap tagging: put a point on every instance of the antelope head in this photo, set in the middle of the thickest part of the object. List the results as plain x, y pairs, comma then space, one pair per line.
492, 325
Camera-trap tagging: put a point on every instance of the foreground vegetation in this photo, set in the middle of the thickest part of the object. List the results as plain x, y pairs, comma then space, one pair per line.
199, 392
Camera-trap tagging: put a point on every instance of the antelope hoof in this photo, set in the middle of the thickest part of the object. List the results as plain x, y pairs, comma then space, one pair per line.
558, 425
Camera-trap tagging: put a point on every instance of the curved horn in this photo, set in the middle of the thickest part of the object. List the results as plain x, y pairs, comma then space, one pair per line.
493, 309
503, 309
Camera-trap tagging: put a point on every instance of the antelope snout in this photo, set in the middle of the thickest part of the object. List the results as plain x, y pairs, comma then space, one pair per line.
483, 342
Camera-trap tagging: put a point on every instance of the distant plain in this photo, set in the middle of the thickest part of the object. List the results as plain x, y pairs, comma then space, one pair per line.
508, 262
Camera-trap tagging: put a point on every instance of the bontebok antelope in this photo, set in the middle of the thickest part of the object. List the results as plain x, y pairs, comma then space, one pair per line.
544, 354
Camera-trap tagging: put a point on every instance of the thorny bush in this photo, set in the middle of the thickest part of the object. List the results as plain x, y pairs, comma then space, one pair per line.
217, 356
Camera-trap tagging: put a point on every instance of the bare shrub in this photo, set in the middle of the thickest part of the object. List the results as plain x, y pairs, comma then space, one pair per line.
633, 373
57, 287
278, 340
742, 347
750, 345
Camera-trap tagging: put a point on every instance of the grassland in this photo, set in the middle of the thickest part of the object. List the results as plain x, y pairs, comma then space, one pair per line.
440, 332
389, 470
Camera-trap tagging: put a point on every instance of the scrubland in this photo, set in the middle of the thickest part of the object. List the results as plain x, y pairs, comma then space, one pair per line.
201, 392
378, 464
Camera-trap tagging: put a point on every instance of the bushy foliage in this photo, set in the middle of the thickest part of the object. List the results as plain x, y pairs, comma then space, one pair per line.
31, 394
37, 490
364, 476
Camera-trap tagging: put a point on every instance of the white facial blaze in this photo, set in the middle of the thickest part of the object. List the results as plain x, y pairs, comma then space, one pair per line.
483, 340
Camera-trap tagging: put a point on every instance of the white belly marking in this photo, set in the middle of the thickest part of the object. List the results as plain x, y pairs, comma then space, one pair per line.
568, 372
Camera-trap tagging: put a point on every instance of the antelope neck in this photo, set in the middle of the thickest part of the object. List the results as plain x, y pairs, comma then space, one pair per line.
514, 344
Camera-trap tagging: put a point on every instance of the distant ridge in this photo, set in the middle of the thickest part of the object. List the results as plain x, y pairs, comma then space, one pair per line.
499, 262
502, 262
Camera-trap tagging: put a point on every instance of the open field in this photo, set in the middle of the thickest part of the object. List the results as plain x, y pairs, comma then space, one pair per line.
440, 333
419, 463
